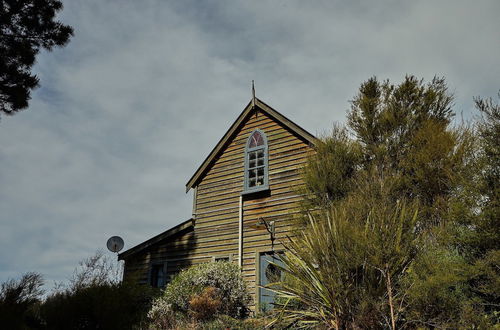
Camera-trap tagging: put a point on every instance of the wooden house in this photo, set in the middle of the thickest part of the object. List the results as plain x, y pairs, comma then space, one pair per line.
245, 194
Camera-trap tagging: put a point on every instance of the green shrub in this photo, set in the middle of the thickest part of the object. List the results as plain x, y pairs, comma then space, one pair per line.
96, 298
20, 301
227, 322
224, 277
99, 306
161, 316
171, 320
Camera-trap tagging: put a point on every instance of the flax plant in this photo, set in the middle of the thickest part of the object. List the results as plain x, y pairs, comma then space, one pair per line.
344, 272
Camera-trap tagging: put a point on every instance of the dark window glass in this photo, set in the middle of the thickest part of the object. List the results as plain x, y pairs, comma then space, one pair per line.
158, 276
217, 259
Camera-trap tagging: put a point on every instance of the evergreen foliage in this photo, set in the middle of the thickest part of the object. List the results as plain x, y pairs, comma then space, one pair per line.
20, 301
401, 227
93, 299
96, 298
26, 26
224, 277
488, 221
98, 306
329, 172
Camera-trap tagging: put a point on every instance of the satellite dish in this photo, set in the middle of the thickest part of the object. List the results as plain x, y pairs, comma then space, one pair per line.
115, 244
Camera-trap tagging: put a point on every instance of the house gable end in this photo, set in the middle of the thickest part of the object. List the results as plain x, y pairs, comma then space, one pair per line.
250, 110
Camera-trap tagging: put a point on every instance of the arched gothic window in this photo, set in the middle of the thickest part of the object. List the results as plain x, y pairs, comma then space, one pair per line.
256, 168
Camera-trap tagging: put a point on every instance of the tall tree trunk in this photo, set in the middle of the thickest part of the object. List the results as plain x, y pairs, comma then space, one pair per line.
389, 293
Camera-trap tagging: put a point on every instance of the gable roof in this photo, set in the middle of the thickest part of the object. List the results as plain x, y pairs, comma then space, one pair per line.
186, 225
249, 109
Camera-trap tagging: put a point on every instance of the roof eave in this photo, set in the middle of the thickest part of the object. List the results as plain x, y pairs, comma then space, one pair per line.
153, 240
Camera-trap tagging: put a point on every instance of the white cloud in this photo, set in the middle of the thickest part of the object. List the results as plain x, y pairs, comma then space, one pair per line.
130, 108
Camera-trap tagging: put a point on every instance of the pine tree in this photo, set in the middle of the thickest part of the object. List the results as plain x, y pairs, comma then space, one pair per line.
26, 26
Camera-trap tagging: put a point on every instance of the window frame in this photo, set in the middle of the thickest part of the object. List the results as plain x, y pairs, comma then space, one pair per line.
217, 258
248, 150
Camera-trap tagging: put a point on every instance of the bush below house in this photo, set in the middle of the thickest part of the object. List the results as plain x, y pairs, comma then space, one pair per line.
201, 293
103, 306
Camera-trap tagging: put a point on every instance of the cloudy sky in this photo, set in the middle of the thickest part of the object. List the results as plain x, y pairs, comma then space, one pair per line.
130, 108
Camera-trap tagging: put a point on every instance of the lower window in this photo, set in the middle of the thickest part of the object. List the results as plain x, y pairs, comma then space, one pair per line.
158, 276
222, 258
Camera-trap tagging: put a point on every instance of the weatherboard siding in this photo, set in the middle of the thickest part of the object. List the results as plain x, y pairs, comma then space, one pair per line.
216, 205
218, 193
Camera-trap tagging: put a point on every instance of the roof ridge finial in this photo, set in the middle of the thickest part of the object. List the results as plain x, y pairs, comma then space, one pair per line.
253, 94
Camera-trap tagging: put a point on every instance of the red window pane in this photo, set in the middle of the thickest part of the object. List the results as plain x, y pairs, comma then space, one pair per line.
256, 140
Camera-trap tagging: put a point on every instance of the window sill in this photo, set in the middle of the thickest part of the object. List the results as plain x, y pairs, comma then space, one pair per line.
255, 190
